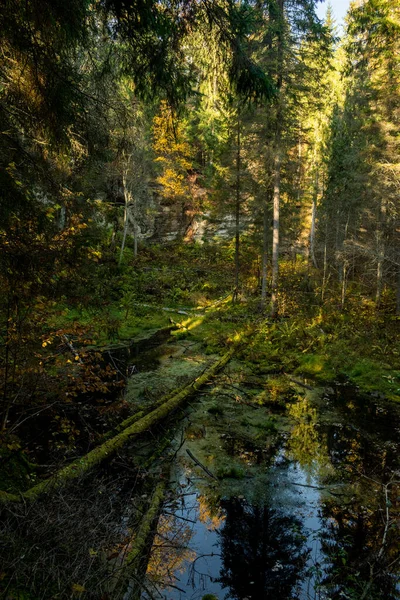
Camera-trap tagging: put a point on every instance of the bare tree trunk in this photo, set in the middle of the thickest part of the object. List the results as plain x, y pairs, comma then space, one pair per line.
380, 242
275, 231
324, 277
277, 164
237, 213
126, 220
312, 228
338, 262
312, 234
342, 264
264, 256
344, 283
135, 231
121, 254
84, 464
6, 402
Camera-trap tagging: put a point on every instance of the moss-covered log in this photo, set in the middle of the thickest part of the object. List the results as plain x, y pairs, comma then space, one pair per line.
82, 465
133, 568
146, 527
141, 413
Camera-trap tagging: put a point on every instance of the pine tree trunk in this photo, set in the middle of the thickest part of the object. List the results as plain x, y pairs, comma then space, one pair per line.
277, 164
264, 256
324, 276
126, 220
344, 283
380, 235
275, 232
237, 213
135, 231
312, 228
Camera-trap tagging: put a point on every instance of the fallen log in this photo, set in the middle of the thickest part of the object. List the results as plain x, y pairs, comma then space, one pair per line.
136, 552
82, 465
144, 410
132, 571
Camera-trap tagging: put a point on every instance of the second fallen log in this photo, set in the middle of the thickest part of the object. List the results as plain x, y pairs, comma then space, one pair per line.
82, 465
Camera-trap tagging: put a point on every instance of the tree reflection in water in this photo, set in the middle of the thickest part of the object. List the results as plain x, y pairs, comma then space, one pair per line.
263, 552
360, 535
351, 541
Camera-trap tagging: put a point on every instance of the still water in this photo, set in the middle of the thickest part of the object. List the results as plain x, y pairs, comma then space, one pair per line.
317, 517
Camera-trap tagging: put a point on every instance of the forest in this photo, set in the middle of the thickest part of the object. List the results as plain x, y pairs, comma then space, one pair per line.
200, 300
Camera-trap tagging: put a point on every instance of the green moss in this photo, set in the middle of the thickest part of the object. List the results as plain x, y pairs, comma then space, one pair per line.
177, 368
230, 472
15, 472
316, 366
370, 377
215, 409
110, 323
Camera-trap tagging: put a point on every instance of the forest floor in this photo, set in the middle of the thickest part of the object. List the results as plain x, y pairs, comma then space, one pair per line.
304, 391
314, 336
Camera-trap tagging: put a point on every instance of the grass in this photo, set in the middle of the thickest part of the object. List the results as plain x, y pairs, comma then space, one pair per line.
109, 324
313, 340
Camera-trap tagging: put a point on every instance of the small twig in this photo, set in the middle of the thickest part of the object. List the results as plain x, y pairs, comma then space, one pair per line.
238, 389
297, 382
31, 416
142, 586
316, 487
196, 460
384, 537
72, 349
176, 588
165, 512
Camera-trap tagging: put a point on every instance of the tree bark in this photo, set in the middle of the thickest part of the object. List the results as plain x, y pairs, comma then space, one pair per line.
264, 267
312, 228
134, 566
277, 162
126, 220
324, 276
275, 231
398, 290
237, 212
380, 241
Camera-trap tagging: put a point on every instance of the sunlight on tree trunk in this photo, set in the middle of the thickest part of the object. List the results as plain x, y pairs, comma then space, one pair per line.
275, 231
237, 212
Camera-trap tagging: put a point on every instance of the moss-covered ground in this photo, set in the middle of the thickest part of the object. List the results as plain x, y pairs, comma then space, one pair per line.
314, 337
241, 417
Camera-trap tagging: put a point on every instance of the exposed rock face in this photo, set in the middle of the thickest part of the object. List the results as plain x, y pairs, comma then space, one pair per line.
161, 221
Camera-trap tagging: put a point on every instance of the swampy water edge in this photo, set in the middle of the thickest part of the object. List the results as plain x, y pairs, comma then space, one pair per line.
302, 501
273, 487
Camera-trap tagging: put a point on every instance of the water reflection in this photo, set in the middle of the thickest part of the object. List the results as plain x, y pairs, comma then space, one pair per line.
304, 444
319, 521
263, 551
356, 469
185, 561
361, 565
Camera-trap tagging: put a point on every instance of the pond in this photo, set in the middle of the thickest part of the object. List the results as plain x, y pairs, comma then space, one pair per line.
313, 515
